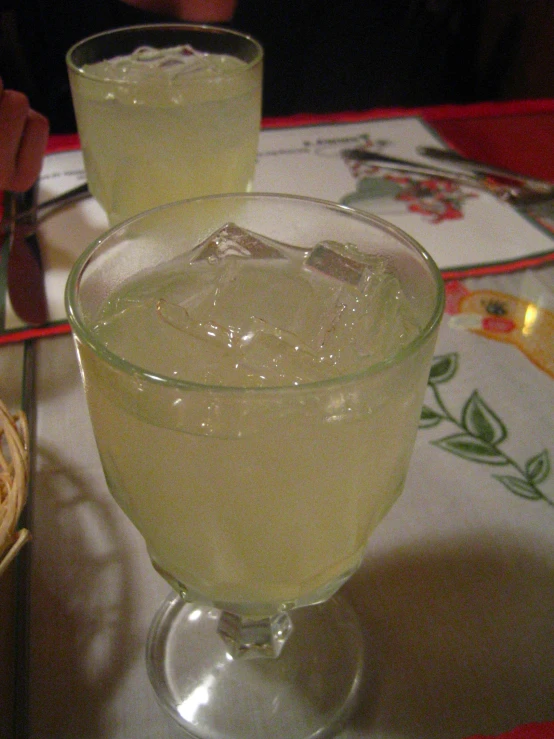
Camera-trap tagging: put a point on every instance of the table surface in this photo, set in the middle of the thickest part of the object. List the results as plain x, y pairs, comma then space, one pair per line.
456, 593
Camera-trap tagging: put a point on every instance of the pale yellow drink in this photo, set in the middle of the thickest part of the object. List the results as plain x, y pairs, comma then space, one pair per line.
260, 485
158, 131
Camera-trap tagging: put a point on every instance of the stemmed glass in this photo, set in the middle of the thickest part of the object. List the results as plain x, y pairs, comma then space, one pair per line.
255, 445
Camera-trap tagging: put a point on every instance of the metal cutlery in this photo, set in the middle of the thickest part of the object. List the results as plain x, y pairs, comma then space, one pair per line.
25, 275
69, 196
410, 165
24, 271
521, 191
474, 165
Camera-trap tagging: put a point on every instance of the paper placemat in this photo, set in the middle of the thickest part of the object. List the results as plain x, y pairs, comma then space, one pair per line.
465, 230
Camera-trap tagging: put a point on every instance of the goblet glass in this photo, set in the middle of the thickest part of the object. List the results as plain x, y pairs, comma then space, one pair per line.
254, 367
166, 112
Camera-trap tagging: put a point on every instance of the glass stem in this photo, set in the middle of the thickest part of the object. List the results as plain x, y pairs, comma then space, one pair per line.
251, 638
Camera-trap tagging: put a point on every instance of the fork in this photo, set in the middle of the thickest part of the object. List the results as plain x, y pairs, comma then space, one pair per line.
76, 193
69, 196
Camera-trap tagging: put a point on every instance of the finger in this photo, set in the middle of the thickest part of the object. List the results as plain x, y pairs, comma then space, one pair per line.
14, 109
31, 152
201, 11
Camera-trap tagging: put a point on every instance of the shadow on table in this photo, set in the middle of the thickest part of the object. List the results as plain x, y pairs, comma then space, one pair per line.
67, 232
460, 633
58, 370
86, 630
460, 638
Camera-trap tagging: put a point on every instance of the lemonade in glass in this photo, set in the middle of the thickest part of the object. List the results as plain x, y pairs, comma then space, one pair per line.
166, 112
254, 367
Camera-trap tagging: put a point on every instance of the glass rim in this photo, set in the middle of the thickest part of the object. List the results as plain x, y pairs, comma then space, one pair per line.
174, 26
82, 331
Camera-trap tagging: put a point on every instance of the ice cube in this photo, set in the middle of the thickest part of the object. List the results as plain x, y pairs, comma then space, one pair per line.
290, 339
277, 357
148, 62
211, 331
367, 316
184, 54
344, 262
263, 353
384, 321
233, 241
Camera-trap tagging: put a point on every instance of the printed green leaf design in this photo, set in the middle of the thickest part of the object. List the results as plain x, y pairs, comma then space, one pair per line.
443, 368
480, 420
537, 468
471, 448
481, 432
428, 418
519, 487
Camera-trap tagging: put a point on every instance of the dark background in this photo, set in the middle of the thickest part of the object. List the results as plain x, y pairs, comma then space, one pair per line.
320, 56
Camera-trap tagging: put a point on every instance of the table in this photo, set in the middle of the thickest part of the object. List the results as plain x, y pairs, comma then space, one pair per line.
456, 593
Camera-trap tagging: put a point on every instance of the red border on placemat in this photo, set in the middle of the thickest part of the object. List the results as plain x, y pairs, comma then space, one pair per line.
34, 332
535, 730
63, 142
435, 113
496, 268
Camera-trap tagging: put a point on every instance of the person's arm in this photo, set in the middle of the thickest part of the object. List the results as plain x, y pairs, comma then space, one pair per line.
200, 11
23, 139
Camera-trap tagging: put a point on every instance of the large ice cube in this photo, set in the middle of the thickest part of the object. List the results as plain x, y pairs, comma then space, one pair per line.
233, 241
368, 316
344, 262
384, 321
208, 330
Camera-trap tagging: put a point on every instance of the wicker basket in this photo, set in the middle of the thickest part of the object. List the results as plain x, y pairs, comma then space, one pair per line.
14, 476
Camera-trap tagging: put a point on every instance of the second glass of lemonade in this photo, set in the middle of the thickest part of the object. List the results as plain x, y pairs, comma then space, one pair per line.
165, 112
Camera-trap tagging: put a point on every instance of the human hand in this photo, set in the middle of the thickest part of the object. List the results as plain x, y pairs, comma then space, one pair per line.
23, 139
200, 11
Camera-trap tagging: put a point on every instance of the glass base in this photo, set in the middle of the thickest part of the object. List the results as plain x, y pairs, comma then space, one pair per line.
306, 693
